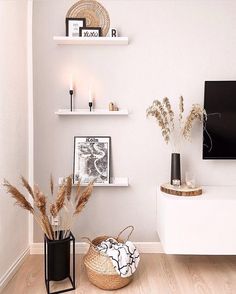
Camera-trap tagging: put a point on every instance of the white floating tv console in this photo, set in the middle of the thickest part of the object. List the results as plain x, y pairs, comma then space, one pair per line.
203, 224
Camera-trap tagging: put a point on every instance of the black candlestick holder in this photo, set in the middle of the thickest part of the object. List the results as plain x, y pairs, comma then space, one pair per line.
90, 106
71, 99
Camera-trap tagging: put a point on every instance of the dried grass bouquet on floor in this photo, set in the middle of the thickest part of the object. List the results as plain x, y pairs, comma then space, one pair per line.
175, 131
55, 219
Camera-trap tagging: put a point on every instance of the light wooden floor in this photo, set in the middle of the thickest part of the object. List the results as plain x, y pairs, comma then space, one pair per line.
158, 273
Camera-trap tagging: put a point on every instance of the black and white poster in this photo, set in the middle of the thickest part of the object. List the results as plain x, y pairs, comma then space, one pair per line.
92, 159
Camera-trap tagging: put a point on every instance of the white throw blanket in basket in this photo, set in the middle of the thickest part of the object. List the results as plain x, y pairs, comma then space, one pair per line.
124, 257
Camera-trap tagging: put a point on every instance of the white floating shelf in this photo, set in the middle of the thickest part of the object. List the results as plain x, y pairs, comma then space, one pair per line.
115, 182
61, 40
93, 112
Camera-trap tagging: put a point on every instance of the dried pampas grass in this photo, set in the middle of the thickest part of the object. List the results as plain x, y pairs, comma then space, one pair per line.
181, 108
64, 191
27, 186
157, 110
77, 192
80, 200
64, 205
51, 185
20, 198
41, 204
68, 187
197, 113
25, 204
164, 115
60, 200
83, 199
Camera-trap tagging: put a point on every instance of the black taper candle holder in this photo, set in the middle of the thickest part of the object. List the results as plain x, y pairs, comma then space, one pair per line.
90, 106
71, 99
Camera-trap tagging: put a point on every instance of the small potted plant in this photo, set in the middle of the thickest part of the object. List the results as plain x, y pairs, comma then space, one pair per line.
175, 130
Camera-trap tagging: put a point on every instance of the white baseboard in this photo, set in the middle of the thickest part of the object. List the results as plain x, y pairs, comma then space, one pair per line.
13, 269
82, 247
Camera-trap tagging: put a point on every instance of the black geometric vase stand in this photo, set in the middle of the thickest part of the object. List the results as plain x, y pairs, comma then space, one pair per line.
57, 262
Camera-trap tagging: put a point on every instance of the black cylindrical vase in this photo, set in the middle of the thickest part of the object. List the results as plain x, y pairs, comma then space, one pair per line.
58, 259
175, 168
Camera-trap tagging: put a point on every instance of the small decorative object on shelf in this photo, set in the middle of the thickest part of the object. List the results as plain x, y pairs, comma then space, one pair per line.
182, 190
115, 108
176, 183
90, 32
113, 33
73, 26
58, 234
92, 159
111, 106
190, 180
94, 13
174, 132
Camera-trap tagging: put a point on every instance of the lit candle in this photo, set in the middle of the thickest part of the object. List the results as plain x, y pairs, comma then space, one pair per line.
71, 84
90, 96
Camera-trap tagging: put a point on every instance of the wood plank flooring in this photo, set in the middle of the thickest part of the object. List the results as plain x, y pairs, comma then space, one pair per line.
157, 274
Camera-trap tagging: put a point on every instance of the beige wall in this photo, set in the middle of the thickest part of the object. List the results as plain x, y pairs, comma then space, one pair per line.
174, 47
13, 128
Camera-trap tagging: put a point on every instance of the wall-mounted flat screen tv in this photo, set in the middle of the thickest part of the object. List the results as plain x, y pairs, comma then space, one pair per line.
219, 131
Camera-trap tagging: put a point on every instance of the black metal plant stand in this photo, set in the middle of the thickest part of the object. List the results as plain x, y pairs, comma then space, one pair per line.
57, 261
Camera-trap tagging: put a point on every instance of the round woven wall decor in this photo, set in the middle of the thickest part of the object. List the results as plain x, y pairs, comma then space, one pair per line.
96, 15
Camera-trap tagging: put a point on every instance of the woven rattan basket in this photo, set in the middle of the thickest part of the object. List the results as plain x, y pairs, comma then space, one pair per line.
95, 14
99, 267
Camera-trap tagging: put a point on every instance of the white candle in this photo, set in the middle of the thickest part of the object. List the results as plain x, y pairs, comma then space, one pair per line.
90, 96
71, 84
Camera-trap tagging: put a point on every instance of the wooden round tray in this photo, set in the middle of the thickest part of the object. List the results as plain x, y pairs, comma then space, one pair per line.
183, 190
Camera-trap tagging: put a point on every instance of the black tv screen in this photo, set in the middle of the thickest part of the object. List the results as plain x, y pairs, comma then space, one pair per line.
219, 132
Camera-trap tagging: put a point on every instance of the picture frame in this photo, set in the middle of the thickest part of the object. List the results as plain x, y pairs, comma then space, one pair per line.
73, 25
92, 157
90, 32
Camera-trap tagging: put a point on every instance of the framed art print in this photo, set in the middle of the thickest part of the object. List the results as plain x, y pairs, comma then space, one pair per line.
90, 32
91, 159
73, 26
